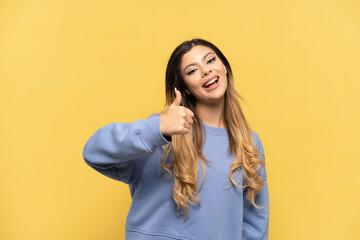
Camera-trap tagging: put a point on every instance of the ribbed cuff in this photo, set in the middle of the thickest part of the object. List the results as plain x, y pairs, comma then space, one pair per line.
151, 135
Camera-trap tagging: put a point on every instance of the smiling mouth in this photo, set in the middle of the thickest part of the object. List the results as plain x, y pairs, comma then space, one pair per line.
212, 82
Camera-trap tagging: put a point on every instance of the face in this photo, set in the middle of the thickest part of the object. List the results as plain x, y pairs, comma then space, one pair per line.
199, 66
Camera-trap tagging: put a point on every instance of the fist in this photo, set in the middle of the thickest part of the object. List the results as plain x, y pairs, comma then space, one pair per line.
177, 119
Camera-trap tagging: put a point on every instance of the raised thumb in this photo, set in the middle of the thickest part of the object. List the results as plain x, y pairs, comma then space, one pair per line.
177, 100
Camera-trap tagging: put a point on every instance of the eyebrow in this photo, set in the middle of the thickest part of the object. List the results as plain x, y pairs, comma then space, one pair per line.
194, 63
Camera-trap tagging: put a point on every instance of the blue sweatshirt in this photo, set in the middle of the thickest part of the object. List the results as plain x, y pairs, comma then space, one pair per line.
130, 152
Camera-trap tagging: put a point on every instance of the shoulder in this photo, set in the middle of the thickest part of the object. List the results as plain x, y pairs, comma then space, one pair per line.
259, 146
255, 137
257, 141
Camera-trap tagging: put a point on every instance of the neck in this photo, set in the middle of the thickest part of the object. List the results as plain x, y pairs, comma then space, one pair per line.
211, 114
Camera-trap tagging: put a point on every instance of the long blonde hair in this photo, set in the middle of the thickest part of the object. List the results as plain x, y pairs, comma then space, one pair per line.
186, 149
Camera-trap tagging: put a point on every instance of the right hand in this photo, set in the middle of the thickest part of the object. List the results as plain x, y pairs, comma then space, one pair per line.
177, 119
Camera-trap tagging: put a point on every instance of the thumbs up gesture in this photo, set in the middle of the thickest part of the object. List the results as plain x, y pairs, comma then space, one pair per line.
177, 119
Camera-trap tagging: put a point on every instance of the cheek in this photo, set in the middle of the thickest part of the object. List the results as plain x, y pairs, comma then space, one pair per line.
191, 87
188, 85
222, 68
190, 82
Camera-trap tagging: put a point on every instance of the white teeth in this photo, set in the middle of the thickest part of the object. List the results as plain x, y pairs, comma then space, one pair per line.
210, 82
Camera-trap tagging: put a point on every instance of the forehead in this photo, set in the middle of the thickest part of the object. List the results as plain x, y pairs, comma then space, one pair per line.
195, 55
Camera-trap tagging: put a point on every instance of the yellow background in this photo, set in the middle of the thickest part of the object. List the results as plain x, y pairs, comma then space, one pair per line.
68, 68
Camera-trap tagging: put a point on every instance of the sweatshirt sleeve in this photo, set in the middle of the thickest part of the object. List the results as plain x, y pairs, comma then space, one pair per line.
256, 221
118, 149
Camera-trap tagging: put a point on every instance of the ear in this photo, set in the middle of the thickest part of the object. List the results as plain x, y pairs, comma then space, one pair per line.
187, 91
225, 71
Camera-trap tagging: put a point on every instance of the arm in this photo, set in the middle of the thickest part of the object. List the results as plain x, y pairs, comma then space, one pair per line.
117, 149
256, 221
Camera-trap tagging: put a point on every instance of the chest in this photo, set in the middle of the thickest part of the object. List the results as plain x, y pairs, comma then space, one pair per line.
216, 150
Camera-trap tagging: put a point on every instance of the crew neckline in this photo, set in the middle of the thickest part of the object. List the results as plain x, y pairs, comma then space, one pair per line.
214, 130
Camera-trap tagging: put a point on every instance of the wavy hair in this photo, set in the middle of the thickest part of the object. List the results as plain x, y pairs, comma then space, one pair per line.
186, 149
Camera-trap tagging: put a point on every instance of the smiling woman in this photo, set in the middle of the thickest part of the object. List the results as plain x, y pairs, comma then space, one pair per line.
164, 158
206, 78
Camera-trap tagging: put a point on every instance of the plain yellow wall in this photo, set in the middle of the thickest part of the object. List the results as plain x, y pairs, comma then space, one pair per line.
68, 68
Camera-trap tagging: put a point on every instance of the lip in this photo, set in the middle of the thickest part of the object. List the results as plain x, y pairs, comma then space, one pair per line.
209, 79
213, 86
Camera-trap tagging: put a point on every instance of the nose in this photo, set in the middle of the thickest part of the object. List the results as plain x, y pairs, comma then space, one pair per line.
206, 71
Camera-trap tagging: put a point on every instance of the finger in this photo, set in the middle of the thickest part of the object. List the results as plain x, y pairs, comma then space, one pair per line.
189, 119
189, 112
178, 98
187, 126
186, 131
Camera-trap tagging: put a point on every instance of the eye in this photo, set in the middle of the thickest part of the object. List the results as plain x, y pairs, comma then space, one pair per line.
211, 60
189, 73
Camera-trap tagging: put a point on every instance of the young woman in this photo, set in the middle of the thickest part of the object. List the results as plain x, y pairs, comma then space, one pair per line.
195, 170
